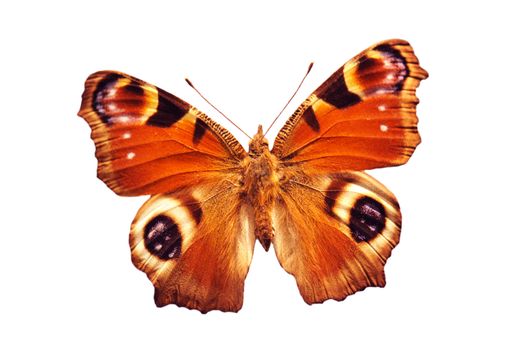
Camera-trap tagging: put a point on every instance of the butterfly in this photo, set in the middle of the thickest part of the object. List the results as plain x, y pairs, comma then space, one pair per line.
332, 226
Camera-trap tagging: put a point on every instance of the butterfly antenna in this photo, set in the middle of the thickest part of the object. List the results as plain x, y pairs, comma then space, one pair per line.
291, 98
218, 110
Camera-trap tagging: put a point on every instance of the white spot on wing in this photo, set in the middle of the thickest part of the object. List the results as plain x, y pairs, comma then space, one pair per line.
382, 91
381, 108
126, 135
130, 155
383, 128
122, 119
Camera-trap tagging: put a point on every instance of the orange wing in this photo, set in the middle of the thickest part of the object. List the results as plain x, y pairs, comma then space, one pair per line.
362, 117
149, 141
334, 233
196, 245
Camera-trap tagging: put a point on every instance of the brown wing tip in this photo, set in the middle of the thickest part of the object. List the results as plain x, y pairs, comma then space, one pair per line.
408, 54
86, 110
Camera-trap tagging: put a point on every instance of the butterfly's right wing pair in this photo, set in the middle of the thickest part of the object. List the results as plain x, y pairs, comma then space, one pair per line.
335, 225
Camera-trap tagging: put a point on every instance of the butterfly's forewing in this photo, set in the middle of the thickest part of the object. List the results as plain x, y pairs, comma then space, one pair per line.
335, 233
195, 244
149, 141
362, 117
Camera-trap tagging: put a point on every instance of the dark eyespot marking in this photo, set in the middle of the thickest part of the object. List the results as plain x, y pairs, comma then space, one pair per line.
162, 238
104, 87
337, 93
200, 129
168, 112
311, 119
397, 59
367, 219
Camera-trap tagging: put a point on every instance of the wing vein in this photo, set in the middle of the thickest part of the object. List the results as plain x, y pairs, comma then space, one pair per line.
152, 183
108, 162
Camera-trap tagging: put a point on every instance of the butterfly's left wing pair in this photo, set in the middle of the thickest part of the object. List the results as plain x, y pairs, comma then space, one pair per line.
192, 237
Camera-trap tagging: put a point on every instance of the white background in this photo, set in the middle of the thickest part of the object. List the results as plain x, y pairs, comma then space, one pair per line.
456, 279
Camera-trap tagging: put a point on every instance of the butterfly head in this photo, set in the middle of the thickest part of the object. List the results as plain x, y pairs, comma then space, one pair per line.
258, 143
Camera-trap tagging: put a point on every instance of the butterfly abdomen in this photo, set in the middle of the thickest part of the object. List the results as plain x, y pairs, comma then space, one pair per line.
260, 186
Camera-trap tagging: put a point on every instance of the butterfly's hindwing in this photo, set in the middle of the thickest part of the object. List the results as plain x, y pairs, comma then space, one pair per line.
336, 233
195, 244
